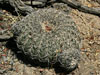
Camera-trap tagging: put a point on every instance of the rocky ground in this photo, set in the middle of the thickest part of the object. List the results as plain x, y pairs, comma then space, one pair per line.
13, 62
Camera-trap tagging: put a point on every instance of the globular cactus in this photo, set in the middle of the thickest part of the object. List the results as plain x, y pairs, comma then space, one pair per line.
49, 35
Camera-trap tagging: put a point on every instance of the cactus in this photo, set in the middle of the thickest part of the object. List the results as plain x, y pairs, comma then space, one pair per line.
49, 35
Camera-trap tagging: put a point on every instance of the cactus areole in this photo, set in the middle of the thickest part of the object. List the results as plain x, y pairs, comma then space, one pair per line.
49, 35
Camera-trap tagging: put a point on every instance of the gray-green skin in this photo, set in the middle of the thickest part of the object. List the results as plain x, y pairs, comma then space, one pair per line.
49, 35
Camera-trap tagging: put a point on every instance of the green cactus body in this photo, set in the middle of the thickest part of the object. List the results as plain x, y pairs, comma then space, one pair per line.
49, 35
